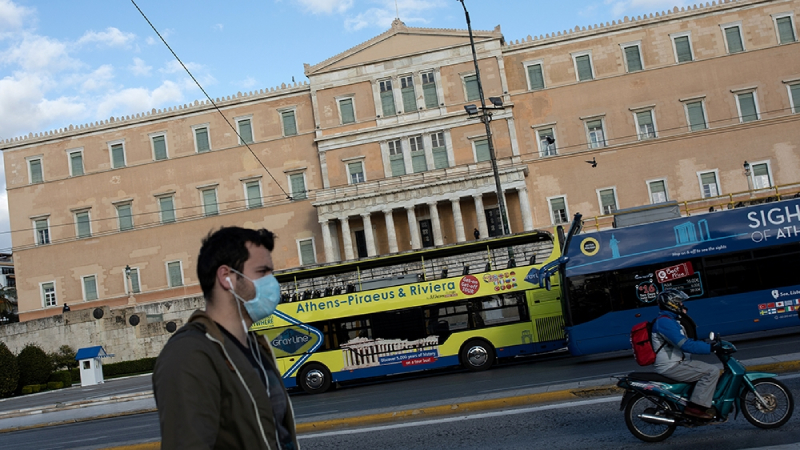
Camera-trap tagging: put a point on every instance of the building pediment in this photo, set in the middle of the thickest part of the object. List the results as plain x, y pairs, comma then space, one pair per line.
399, 41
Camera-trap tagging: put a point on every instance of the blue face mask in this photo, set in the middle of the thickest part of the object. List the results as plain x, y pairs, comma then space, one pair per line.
268, 295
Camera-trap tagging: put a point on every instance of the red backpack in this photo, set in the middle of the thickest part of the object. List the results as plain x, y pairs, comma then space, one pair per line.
641, 342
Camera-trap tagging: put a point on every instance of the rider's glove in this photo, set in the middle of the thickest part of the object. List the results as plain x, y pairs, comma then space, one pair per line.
716, 346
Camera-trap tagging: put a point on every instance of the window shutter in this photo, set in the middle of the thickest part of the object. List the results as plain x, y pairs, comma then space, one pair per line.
307, 252
683, 49
785, 31
697, 120
42, 232
289, 123
346, 108
535, 77
708, 178
657, 186
159, 148
298, 187
356, 172
409, 98
418, 162
84, 230
210, 202
36, 171
471, 83
76, 161
246, 131
167, 209
253, 195
795, 90
201, 136
398, 165
90, 288
135, 280
607, 200
429, 91
557, 203
734, 39
175, 274
747, 105
584, 67
482, 150
440, 158
118, 155
634, 58
760, 170
125, 217
387, 103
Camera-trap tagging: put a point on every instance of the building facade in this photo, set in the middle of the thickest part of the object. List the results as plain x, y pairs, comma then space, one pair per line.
375, 153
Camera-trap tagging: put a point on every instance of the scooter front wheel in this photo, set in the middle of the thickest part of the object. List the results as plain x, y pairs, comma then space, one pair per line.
648, 420
777, 407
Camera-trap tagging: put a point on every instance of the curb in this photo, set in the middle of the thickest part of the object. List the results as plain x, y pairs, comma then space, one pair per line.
77, 404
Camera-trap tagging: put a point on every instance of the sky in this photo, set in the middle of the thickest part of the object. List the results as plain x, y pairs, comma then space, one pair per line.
80, 61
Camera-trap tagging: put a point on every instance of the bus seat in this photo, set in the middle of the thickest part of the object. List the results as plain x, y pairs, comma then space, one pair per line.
466, 270
488, 267
533, 259
511, 263
444, 272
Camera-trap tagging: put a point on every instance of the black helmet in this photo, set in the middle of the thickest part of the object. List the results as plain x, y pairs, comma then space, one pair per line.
672, 300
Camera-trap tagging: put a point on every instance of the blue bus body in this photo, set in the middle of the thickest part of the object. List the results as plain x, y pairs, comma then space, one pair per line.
740, 268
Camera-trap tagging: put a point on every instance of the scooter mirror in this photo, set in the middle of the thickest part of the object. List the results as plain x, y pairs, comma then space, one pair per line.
711, 336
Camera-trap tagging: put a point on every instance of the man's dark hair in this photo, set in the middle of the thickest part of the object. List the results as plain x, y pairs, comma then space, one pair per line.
227, 246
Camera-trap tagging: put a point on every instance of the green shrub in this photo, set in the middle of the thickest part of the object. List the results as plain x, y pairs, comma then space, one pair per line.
36, 387
133, 367
63, 376
35, 366
9, 371
64, 358
75, 373
53, 385
27, 390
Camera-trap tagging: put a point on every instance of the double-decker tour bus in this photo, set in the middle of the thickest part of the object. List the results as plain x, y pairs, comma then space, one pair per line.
739, 268
409, 311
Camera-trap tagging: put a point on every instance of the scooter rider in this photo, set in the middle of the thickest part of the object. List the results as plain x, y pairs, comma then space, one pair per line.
673, 358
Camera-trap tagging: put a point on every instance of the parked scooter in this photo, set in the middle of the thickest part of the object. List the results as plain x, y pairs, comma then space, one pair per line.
654, 404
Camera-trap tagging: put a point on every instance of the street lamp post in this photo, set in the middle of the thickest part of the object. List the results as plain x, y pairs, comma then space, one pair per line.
131, 299
486, 117
746, 166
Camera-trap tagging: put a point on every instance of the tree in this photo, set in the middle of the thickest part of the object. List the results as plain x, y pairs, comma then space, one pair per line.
9, 371
35, 366
64, 358
8, 304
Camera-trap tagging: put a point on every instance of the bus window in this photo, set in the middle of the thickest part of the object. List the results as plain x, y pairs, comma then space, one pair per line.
405, 324
589, 297
455, 314
357, 327
503, 308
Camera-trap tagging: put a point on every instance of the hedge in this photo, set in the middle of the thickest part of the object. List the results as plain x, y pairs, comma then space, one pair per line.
62, 376
9, 371
53, 385
133, 367
34, 364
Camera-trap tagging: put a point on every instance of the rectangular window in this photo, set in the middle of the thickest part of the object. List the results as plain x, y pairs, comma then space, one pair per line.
683, 49
761, 179
253, 190
83, 225
201, 140
289, 123
210, 207
583, 66
645, 125
482, 150
418, 162
596, 135
429, 90
175, 274
708, 184
747, 107
35, 167
785, 30
90, 288
307, 255
76, 164
547, 142
298, 186
535, 77
733, 38
49, 294
167, 208
696, 115
42, 231
117, 156
439, 151
608, 201
658, 191
794, 96
134, 281
356, 170
407, 92
159, 148
398, 164
387, 98
245, 131
471, 86
125, 217
346, 111
633, 58
558, 207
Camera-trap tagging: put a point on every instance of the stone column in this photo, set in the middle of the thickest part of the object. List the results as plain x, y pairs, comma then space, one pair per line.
347, 240
413, 228
436, 224
458, 220
480, 214
525, 209
326, 239
368, 235
390, 232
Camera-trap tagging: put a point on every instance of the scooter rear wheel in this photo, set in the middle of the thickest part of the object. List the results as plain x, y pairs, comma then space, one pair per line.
648, 430
778, 408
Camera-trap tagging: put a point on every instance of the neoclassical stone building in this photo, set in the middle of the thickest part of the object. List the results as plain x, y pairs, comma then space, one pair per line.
375, 153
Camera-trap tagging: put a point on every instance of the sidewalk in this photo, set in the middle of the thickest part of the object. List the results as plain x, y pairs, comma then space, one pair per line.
47, 412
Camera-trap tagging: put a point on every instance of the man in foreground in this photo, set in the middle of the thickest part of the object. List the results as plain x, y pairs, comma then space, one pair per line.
217, 385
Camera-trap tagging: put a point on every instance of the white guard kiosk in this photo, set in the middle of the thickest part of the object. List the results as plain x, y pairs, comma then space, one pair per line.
90, 364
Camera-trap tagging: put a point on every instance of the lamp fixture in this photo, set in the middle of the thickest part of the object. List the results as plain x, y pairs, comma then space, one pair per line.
471, 109
746, 166
496, 101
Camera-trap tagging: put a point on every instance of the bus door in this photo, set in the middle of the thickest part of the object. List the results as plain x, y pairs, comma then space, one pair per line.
547, 320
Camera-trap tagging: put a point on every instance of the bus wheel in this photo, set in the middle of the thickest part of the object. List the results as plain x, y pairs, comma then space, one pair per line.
314, 378
477, 355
